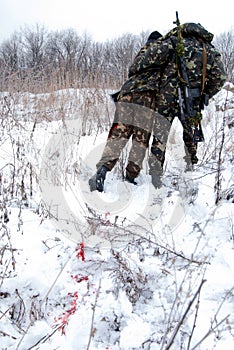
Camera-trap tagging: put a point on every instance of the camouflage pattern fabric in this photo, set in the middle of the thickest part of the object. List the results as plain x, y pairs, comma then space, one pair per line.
133, 118
153, 83
163, 51
166, 93
144, 81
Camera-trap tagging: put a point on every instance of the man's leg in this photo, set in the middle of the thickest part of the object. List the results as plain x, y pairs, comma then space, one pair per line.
156, 161
143, 104
161, 131
190, 147
117, 138
119, 134
140, 143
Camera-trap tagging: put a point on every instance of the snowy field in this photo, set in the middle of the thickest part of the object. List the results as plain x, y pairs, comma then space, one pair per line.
127, 269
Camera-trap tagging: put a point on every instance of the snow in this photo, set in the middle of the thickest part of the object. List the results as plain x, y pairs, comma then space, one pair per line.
156, 271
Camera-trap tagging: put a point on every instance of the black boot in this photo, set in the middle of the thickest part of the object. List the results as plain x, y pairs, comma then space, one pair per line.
130, 179
194, 159
100, 178
97, 181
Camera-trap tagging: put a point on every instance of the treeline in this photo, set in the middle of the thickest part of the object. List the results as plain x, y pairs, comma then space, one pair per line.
36, 60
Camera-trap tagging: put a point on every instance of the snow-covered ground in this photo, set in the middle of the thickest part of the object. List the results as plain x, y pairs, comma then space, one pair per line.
130, 268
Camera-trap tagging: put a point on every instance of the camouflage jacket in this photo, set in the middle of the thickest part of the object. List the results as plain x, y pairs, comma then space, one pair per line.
156, 68
141, 80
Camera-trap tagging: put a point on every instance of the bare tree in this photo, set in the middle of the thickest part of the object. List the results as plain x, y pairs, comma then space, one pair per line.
65, 53
10, 53
225, 44
123, 50
12, 61
33, 42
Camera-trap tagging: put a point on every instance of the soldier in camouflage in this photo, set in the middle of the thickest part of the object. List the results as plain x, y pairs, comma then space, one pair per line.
133, 119
196, 39
153, 84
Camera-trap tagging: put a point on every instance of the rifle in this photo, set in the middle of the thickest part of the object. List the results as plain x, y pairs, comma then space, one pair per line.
185, 94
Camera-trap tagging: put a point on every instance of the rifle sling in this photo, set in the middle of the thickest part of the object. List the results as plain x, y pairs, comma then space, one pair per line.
204, 64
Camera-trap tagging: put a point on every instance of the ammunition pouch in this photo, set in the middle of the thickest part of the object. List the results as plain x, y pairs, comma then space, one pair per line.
195, 92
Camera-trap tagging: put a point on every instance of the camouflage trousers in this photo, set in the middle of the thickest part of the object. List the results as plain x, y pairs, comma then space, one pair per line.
161, 131
136, 118
133, 119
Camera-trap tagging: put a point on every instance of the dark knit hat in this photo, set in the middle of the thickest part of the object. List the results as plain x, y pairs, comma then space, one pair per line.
154, 36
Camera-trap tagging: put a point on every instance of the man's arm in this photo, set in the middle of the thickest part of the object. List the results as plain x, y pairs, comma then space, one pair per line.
216, 75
